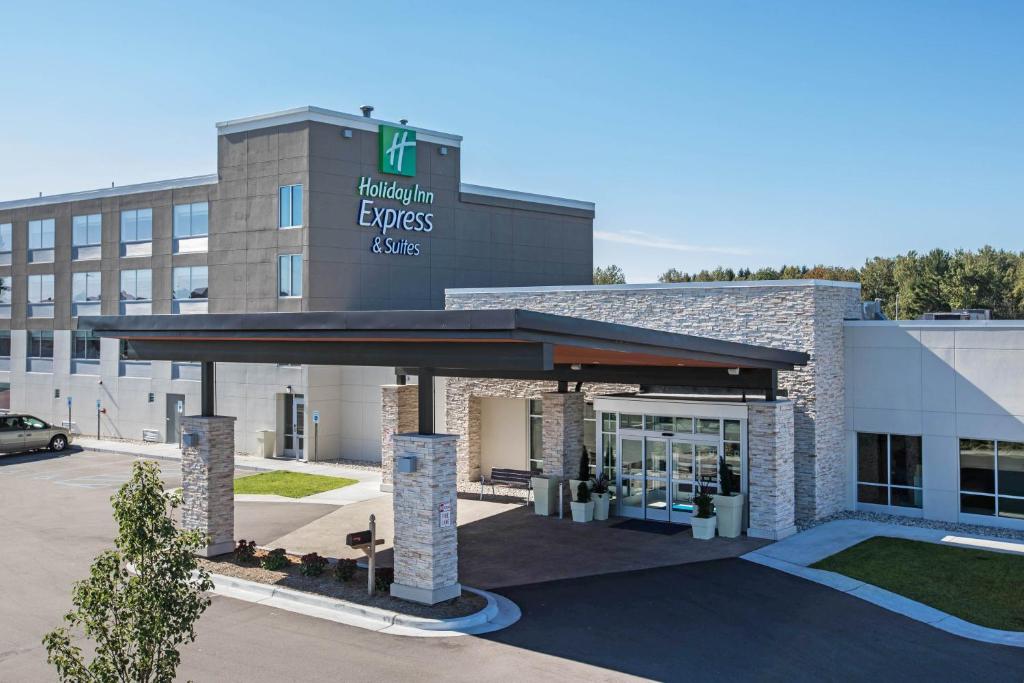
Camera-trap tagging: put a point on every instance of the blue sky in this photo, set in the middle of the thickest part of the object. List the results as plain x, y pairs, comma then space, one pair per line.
733, 133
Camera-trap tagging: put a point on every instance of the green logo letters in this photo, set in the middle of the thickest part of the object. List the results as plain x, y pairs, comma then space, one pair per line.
397, 150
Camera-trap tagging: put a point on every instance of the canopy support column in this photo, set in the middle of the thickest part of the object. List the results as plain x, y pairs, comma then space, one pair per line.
426, 402
208, 406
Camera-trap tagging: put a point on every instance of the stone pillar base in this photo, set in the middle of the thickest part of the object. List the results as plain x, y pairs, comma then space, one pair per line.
771, 534
208, 481
770, 467
425, 500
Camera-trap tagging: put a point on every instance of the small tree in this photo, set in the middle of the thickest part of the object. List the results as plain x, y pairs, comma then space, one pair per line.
138, 617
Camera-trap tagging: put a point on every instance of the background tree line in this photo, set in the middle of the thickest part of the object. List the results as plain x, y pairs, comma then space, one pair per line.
936, 281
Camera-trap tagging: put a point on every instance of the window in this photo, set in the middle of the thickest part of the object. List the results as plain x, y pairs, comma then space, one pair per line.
5, 343
731, 450
40, 344
40, 234
992, 478
137, 285
190, 282
40, 289
85, 346
85, 287
290, 210
5, 291
590, 435
289, 275
536, 435
889, 470
137, 225
5, 238
191, 220
609, 427
86, 230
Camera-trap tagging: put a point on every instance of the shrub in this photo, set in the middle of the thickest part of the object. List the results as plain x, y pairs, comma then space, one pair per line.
312, 564
704, 504
600, 484
584, 465
275, 559
245, 552
383, 578
345, 570
583, 493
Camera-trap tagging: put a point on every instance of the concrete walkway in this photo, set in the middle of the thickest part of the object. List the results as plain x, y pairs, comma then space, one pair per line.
795, 554
367, 488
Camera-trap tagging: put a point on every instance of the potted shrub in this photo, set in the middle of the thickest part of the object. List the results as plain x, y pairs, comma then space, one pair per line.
584, 474
728, 502
703, 521
582, 507
601, 496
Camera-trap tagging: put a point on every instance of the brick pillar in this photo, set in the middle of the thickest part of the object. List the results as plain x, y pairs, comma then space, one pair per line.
563, 434
207, 481
425, 545
399, 414
770, 468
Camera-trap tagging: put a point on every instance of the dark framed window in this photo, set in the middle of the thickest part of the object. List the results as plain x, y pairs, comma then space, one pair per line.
85, 346
40, 344
992, 478
890, 469
289, 275
5, 343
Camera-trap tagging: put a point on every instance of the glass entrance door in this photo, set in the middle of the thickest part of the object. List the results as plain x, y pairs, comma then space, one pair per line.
657, 475
295, 425
656, 485
691, 459
631, 477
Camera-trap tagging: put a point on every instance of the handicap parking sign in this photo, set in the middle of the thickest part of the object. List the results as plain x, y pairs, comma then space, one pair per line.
316, 417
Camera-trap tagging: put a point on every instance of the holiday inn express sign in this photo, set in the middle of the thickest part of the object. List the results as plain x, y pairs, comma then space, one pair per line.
397, 156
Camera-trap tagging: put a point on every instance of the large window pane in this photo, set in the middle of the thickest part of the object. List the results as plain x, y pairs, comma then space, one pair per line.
144, 225
875, 495
1011, 507
285, 217
86, 346
977, 505
200, 287
871, 458
5, 237
977, 466
1011, 469
48, 231
296, 204
136, 285
183, 220
683, 425
907, 498
632, 457
657, 423
732, 430
657, 458
709, 427
200, 219
731, 451
905, 460
628, 421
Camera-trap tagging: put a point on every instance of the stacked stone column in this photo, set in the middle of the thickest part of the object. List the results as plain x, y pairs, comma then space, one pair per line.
399, 415
562, 433
208, 483
425, 552
770, 467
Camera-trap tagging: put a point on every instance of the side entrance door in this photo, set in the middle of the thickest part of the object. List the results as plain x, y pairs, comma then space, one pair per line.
175, 409
295, 425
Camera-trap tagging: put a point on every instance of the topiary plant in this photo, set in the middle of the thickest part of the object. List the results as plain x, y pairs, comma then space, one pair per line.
724, 477
583, 493
584, 465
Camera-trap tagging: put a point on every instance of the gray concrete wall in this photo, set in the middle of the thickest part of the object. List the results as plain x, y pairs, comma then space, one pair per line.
801, 315
942, 381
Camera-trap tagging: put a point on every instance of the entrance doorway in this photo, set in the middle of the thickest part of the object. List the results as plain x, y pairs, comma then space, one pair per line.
659, 475
175, 409
294, 425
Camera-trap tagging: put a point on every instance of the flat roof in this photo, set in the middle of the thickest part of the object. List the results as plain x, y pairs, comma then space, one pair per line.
658, 285
116, 191
475, 340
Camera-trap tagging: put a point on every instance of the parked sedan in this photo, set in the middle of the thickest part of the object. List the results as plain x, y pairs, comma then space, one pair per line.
25, 433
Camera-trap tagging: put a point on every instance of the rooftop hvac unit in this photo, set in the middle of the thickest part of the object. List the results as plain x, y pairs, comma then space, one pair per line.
960, 314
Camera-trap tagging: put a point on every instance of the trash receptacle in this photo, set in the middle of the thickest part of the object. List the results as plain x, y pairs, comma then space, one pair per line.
265, 440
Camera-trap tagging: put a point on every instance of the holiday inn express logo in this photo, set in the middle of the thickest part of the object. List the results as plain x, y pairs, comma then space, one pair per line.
397, 150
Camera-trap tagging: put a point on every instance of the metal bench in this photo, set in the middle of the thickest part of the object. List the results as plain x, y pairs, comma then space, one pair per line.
516, 479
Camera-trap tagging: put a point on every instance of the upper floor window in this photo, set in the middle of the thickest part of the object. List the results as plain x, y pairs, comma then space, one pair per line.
137, 225
40, 289
5, 291
137, 285
890, 470
86, 230
5, 238
41, 233
191, 282
289, 275
191, 220
85, 287
40, 344
290, 213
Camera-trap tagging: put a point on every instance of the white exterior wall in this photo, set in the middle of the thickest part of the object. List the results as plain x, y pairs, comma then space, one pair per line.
940, 380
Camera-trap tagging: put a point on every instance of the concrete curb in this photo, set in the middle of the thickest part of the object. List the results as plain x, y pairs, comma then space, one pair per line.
498, 614
892, 602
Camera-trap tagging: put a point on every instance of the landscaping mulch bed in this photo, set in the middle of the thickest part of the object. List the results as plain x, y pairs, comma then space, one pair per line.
353, 590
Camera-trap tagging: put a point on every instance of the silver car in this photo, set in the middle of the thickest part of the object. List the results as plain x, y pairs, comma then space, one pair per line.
25, 433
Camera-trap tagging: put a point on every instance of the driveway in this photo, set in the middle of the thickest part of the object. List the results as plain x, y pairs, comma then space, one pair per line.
717, 620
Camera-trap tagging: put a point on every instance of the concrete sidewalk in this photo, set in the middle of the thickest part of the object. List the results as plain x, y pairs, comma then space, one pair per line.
795, 554
368, 486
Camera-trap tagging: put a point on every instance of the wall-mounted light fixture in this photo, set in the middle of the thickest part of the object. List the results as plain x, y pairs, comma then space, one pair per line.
734, 371
288, 389
346, 133
576, 366
442, 150
56, 393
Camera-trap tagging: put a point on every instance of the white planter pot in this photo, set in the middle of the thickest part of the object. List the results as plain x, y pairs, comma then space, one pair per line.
601, 501
574, 485
729, 510
582, 512
703, 528
545, 495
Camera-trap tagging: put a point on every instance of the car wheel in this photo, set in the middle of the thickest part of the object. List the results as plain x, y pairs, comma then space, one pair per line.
58, 443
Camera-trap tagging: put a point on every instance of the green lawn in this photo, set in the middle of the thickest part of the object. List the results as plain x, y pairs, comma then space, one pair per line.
979, 586
291, 484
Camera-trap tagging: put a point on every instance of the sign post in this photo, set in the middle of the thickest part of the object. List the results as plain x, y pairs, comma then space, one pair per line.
97, 419
316, 434
69, 414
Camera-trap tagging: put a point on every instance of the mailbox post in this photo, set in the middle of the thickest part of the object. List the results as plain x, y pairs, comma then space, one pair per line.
367, 541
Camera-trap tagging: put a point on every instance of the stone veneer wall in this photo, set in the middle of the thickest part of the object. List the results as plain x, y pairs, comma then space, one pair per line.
771, 469
399, 415
208, 481
426, 554
462, 398
562, 431
799, 315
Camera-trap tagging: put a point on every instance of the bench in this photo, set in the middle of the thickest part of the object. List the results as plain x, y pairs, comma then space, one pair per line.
516, 479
